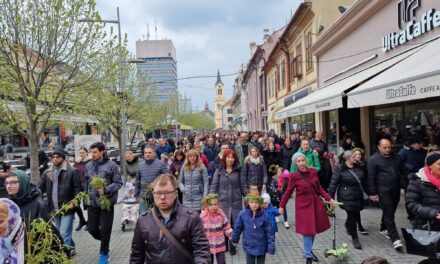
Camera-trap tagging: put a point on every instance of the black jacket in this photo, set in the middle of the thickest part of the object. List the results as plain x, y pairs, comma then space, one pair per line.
69, 185
348, 189
31, 206
185, 225
272, 158
286, 156
422, 198
252, 174
385, 174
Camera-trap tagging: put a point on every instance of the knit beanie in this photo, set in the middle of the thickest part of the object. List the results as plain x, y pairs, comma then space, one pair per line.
432, 158
286, 173
297, 155
266, 198
59, 152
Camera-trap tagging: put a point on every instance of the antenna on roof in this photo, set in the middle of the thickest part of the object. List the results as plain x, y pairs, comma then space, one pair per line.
155, 27
148, 31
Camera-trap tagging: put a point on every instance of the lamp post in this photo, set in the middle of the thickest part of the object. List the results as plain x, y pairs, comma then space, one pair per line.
121, 88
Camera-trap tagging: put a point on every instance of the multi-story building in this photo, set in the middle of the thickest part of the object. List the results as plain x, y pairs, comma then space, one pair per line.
239, 102
228, 117
291, 70
219, 101
254, 82
160, 67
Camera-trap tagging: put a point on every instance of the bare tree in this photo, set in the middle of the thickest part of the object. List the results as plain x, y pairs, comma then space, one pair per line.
45, 55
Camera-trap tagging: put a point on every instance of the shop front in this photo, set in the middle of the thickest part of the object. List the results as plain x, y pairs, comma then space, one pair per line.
381, 58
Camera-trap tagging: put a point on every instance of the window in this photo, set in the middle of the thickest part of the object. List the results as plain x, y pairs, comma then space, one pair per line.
302, 123
229, 111
230, 119
282, 71
298, 58
277, 81
292, 66
219, 91
309, 57
271, 85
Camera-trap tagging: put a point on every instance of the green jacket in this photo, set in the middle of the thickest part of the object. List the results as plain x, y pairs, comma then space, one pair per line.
312, 160
239, 151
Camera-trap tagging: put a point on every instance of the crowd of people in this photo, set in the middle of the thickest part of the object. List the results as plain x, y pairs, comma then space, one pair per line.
205, 193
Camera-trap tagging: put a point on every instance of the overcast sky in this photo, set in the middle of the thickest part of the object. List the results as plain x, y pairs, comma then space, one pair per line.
208, 34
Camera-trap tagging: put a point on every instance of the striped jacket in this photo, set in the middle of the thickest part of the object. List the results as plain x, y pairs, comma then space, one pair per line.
216, 227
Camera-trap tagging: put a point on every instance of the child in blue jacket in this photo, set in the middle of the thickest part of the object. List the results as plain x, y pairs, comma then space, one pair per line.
258, 237
270, 211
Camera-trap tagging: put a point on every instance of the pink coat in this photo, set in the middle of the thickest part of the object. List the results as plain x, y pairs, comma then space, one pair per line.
310, 213
216, 228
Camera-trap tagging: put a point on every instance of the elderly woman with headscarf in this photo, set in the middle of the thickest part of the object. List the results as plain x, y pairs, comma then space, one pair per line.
310, 212
12, 233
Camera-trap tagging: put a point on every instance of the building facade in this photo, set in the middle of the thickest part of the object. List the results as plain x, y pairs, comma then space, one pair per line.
379, 74
239, 99
219, 101
291, 68
227, 115
159, 67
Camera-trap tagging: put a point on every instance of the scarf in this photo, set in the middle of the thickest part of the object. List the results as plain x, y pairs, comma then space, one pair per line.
255, 161
432, 178
12, 245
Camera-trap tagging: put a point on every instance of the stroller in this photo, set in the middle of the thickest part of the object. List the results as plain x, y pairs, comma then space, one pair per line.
335, 252
130, 208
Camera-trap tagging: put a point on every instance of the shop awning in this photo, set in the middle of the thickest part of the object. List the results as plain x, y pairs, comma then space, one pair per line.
272, 119
417, 77
330, 96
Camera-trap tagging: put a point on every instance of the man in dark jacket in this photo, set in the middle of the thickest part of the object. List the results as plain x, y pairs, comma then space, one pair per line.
149, 245
162, 148
287, 152
100, 220
211, 150
318, 142
148, 170
385, 173
62, 183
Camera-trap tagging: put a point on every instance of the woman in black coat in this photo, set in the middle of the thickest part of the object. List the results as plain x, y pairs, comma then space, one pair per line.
254, 170
286, 153
271, 156
349, 180
325, 173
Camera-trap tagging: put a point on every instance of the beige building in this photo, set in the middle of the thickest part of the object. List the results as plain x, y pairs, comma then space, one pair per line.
291, 69
219, 101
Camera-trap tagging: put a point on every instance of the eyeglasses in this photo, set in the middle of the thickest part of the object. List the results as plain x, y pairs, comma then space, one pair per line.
165, 194
12, 182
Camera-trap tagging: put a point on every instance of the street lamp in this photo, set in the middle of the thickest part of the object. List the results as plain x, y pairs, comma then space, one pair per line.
121, 87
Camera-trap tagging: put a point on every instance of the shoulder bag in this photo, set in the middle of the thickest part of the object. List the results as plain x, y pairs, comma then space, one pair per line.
171, 238
364, 194
422, 242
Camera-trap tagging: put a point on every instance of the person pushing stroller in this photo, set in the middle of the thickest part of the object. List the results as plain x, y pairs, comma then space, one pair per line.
130, 207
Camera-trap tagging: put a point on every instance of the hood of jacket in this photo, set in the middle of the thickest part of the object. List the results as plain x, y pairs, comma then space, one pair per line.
422, 175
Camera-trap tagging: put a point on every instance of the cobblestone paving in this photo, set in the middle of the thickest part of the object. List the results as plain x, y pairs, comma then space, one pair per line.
288, 243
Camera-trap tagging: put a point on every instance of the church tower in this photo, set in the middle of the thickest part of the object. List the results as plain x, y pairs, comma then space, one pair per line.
219, 101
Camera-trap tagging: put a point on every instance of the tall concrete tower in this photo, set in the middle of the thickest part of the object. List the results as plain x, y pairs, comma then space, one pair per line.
219, 101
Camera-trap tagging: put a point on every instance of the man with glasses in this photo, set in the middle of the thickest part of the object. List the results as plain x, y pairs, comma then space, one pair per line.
188, 242
148, 170
61, 183
100, 220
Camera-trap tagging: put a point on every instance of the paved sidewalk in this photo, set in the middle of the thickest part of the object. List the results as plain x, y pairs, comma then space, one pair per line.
288, 243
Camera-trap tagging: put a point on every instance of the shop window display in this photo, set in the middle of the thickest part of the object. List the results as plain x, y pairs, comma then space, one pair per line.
302, 123
423, 121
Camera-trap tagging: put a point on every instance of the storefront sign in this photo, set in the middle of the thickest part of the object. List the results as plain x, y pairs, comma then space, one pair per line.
295, 97
417, 89
429, 21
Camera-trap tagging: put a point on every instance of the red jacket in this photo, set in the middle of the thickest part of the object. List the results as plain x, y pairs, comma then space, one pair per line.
310, 213
205, 161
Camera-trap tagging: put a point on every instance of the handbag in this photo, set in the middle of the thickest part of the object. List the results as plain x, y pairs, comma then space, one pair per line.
365, 198
422, 242
171, 238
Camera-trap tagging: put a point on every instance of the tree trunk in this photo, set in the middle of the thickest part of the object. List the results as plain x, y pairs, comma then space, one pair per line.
33, 152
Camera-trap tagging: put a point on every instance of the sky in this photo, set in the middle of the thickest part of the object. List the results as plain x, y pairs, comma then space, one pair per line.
208, 35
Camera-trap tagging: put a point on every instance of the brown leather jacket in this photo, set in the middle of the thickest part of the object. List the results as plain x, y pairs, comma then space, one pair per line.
186, 227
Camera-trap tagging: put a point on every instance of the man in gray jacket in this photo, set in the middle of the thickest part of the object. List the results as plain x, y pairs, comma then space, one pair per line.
100, 220
148, 170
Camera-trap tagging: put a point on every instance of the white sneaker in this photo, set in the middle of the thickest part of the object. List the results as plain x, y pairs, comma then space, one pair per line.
286, 225
384, 233
398, 245
277, 219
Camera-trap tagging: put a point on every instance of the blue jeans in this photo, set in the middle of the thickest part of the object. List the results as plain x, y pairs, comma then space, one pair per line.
308, 246
64, 224
143, 207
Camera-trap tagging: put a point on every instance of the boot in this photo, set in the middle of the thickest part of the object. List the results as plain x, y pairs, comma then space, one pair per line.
314, 258
80, 225
309, 260
232, 249
356, 243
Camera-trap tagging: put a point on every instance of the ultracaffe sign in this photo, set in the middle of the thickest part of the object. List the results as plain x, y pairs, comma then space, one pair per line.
429, 21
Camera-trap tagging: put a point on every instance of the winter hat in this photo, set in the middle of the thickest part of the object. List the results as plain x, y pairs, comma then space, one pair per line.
266, 198
296, 155
432, 158
129, 186
59, 152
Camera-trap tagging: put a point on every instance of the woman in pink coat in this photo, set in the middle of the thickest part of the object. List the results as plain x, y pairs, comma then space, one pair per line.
310, 213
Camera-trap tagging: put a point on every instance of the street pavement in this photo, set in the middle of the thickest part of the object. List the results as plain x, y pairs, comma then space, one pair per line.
289, 247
